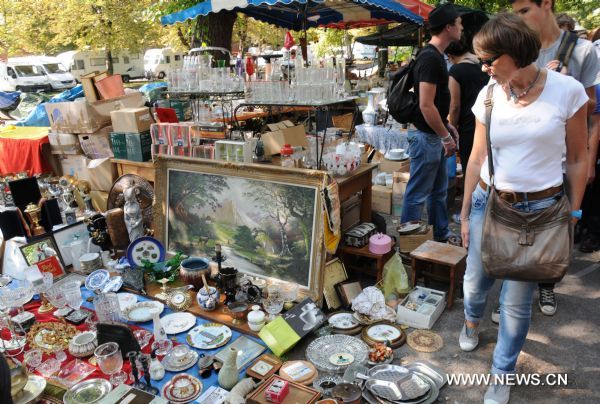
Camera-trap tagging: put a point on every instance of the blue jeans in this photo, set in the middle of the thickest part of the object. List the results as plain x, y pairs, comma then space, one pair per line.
515, 297
428, 182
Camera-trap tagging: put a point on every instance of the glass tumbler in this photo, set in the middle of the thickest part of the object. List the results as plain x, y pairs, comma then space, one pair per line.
109, 359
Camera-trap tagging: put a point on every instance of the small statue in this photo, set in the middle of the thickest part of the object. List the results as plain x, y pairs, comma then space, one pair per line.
133, 212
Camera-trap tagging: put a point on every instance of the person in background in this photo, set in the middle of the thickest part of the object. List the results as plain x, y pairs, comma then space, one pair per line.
434, 138
537, 114
466, 80
582, 66
565, 22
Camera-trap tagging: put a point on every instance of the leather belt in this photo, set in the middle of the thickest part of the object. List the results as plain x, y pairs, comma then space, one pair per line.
514, 197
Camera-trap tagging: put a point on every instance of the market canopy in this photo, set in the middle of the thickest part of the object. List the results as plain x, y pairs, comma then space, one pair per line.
301, 14
417, 7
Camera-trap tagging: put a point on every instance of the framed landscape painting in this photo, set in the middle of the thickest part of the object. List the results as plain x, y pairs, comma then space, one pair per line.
268, 219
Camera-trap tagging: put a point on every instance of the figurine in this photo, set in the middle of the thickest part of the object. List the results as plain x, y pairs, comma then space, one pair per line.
157, 370
133, 212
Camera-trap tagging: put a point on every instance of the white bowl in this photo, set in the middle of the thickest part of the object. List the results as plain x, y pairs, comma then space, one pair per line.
396, 153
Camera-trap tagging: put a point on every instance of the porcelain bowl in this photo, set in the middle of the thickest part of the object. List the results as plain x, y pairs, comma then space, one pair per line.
191, 271
83, 344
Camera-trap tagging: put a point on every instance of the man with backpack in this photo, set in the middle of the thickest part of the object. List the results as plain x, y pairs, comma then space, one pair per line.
434, 138
561, 51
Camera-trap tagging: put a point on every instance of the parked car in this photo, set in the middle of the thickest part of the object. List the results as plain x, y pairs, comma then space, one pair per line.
16, 75
130, 65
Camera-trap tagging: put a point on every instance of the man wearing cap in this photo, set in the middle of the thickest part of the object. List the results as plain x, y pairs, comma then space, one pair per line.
434, 137
583, 66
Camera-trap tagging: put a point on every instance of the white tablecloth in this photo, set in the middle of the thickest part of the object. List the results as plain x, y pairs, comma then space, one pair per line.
383, 138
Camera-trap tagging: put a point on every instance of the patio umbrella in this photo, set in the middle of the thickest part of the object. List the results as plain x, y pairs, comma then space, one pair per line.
302, 14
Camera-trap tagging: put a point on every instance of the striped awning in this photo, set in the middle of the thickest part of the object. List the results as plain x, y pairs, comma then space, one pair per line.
293, 14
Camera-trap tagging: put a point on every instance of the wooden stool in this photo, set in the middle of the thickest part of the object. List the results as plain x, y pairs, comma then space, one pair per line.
380, 259
442, 254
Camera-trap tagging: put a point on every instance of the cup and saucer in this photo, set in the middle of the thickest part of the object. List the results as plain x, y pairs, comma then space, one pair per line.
396, 155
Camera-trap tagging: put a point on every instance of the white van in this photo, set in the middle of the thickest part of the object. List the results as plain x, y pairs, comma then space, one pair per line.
129, 65
23, 76
60, 79
157, 62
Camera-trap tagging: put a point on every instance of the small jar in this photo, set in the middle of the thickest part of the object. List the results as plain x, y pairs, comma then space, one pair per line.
256, 318
286, 156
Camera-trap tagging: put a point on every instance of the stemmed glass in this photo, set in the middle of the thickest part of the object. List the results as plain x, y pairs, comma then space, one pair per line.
57, 298
273, 305
47, 281
109, 359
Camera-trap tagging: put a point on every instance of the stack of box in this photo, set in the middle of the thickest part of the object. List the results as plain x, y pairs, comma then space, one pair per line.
185, 139
130, 138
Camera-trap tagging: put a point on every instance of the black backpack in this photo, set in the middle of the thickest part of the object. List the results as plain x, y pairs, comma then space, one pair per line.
402, 103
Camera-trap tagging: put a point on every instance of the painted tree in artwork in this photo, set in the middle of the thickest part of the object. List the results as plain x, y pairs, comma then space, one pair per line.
301, 207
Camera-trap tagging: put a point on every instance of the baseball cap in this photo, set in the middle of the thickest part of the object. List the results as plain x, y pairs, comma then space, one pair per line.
442, 15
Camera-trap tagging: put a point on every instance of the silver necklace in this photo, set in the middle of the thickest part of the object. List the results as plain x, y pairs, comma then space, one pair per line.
515, 97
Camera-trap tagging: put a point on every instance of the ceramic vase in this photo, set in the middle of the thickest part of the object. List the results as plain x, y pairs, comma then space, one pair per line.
228, 375
370, 114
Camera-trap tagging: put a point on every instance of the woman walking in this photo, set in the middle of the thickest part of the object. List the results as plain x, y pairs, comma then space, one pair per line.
537, 114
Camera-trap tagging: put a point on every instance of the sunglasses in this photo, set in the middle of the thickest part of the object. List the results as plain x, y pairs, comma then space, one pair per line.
490, 61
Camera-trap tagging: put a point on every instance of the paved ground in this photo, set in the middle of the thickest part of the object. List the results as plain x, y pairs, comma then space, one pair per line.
568, 342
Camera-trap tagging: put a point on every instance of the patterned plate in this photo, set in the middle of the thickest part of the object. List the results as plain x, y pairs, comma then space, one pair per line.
142, 311
175, 323
321, 349
343, 320
145, 248
182, 388
209, 336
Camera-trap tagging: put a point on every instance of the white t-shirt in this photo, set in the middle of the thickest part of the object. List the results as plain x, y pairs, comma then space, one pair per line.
528, 142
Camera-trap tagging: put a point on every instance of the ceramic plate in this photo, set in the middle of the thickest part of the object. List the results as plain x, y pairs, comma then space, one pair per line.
145, 248
126, 300
343, 321
209, 336
383, 332
401, 158
182, 388
96, 279
178, 322
113, 284
321, 349
32, 391
171, 364
142, 311
88, 391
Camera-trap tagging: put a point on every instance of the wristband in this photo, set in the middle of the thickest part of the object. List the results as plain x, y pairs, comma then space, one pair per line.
447, 139
577, 214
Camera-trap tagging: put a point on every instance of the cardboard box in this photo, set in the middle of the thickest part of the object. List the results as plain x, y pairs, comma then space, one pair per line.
97, 145
118, 145
81, 116
99, 200
64, 143
425, 316
100, 173
88, 83
139, 146
381, 199
390, 166
131, 120
410, 242
274, 141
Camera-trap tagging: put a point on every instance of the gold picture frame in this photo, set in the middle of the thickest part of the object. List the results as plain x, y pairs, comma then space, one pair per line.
268, 219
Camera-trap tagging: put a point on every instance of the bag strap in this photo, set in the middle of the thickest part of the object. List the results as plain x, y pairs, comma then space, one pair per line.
489, 104
565, 50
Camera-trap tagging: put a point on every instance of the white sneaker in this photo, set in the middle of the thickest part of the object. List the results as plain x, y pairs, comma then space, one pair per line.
496, 315
468, 341
497, 394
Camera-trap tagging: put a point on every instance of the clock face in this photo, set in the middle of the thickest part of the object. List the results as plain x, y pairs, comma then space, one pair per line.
178, 298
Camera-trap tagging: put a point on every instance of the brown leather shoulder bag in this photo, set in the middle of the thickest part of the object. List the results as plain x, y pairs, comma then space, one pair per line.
523, 246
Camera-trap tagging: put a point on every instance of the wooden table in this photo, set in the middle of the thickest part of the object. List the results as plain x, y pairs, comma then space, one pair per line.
145, 169
358, 181
380, 259
433, 253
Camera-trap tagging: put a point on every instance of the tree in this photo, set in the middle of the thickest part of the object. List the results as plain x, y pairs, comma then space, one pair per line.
245, 239
106, 24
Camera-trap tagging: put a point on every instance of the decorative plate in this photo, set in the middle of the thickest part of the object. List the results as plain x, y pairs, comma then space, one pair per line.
113, 284
209, 336
145, 248
382, 332
126, 300
174, 364
178, 322
96, 279
50, 336
321, 349
182, 388
142, 311
32, 391
298, 371
341, 359
343, 320
88, 391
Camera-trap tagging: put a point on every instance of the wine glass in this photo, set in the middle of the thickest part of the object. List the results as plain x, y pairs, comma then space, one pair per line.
109, 359
57, 298
273, 305
47, 281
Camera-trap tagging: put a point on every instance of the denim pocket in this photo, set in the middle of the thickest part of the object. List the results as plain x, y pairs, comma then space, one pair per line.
414, 149
478, 199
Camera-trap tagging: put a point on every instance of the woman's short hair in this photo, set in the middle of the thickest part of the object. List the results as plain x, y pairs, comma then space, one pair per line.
507, 34
565, 21
457, 48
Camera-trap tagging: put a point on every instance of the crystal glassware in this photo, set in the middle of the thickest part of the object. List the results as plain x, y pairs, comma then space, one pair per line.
46, 284
33, 359
273, 305
72, 291
16, 294
109, 359
143, 337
